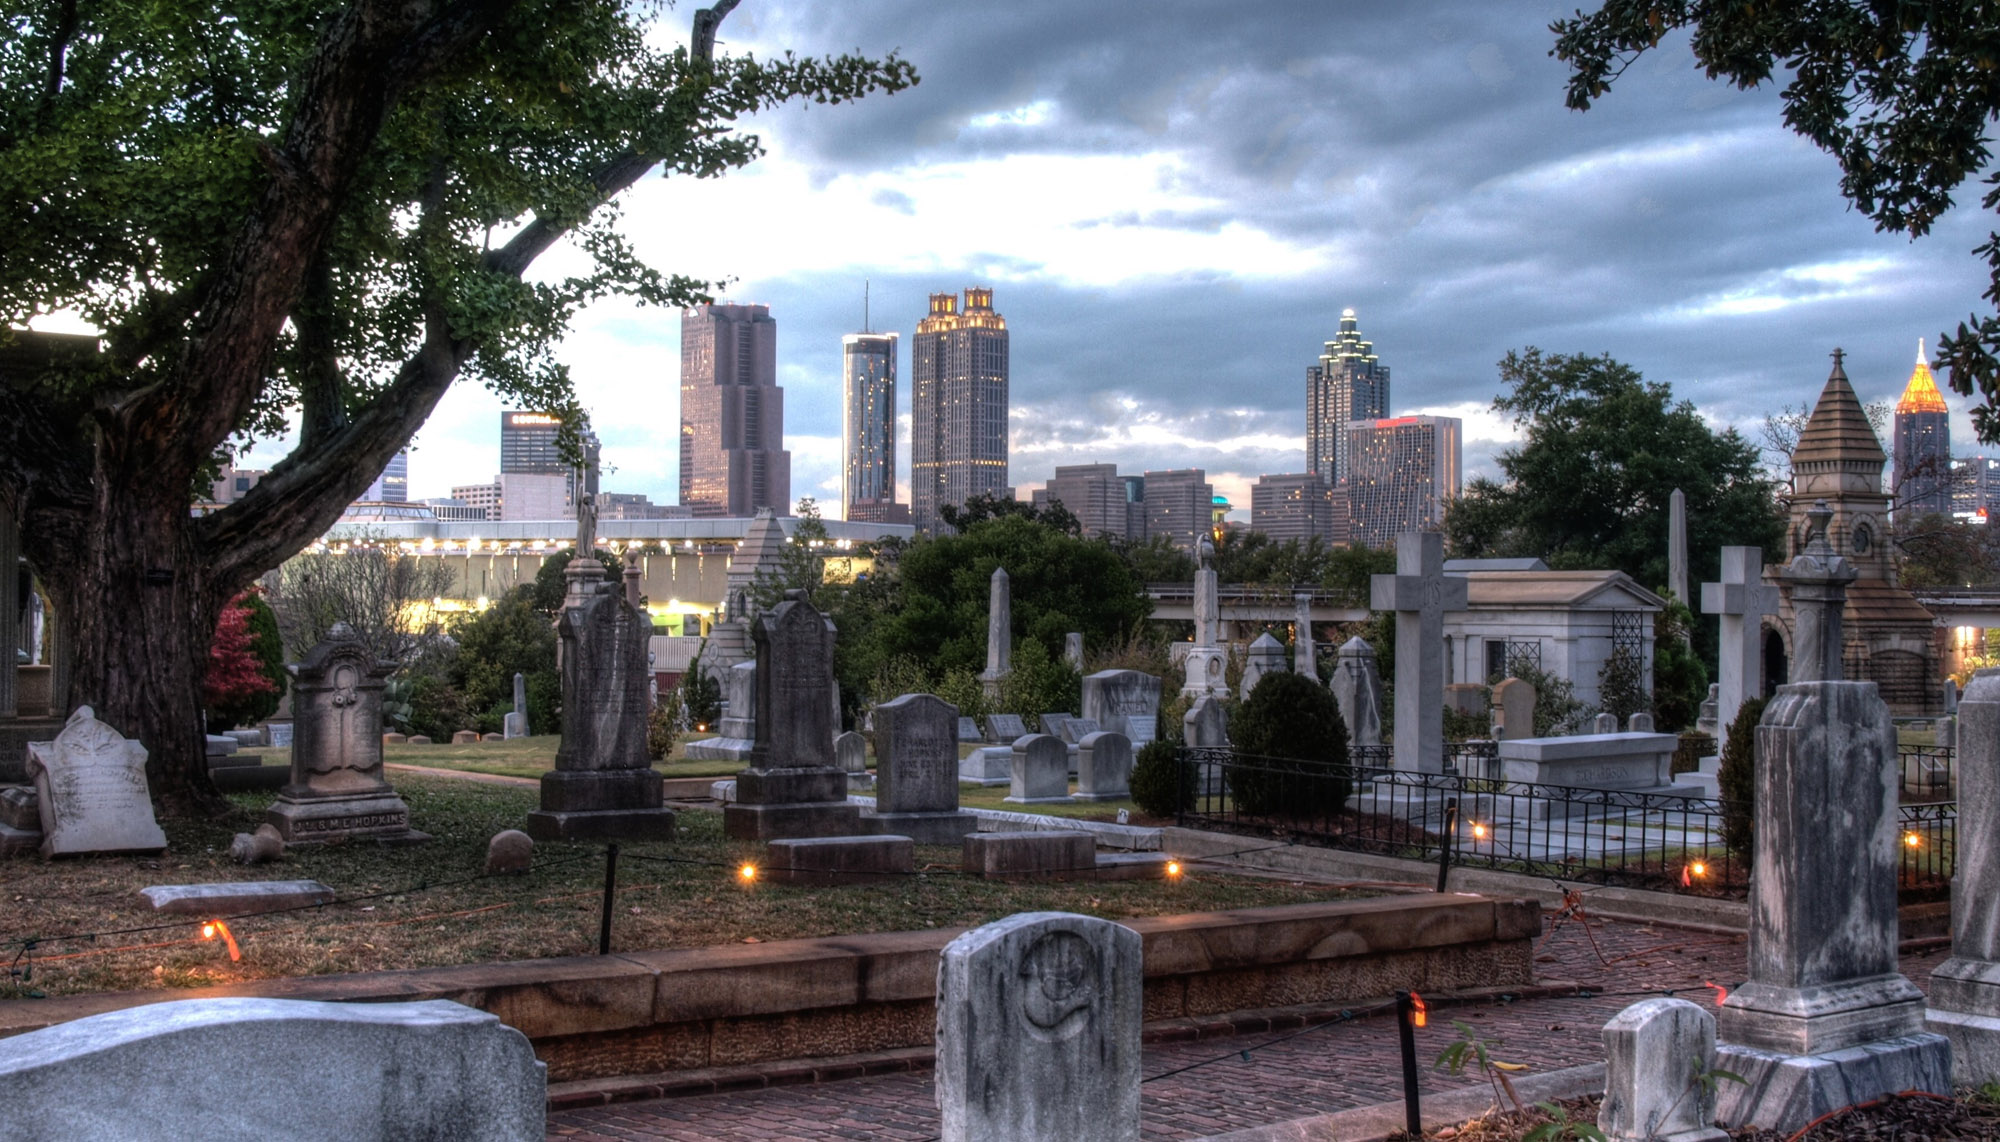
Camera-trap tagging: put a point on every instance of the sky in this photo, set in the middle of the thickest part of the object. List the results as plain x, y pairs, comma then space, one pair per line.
1174, 201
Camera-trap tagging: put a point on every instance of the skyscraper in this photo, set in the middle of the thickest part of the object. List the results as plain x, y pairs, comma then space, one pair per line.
1348, 384
1103, 501
1400, 473
868, 429
528, 448
1180, 504
733, 458
393, 485
958, 405
1923, 447
1298, 506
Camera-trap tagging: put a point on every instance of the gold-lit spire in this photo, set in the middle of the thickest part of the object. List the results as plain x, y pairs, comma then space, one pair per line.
1921, 394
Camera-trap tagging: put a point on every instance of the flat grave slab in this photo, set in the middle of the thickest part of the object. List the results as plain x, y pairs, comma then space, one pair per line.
235, 898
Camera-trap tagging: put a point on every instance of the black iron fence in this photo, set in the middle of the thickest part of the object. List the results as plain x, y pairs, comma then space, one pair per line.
1643, 839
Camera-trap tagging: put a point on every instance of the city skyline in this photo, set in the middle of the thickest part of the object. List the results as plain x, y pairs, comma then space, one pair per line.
1176, 221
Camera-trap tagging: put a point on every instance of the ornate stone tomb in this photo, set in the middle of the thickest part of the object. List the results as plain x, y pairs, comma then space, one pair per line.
337, 788
90, 789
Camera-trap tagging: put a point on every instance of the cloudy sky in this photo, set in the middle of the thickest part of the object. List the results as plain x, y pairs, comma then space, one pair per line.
1173, 201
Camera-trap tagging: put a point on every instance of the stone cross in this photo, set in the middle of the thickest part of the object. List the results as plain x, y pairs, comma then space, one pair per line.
1303, 662
1420, 593
1965, 989
1818, 580
999, 633
1038, 1020
1741, 600
1677, 546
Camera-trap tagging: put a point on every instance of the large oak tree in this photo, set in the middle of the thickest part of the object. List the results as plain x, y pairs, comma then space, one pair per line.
314, 214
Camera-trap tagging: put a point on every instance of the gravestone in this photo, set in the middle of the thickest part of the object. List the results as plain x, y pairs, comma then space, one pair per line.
1304, 662
359, 1072
1948, 697
1815, 579
968, 730
1052, 724
1004, 728
1604, 724
1420, 593
1104, 767
1073, 730
235, 898
916, 772
1741, 600
1073, 650
90, 790
1965, 989
465, 737
1124, 701
1038, 1020
1639, 723
736, 734
1265, 656
850, 752
1515, 698
20, 819
1652, 1051
1677, 546
1706, 721
1205, 665
337, 789
515, 724
603, 786
999, 633
1827, 1019
1357, 690
1041, 771
792, 787
1206, 726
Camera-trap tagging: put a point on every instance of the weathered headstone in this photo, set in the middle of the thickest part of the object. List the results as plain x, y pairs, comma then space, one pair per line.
1304, 661
1639, 723
968, 730
1357, 690
1741, 600
1038, 1020
235, 898
1814, 579
91, 792
1206, 726
1052, 724
1073, 650
916, 772
360, 1072
1604, 724
1827, 1019
792, 787
1516, 699
1004, 728
736, 734
515, 724
1072, 730
1041, 770
1707, 719
20, 819
1124, 701
1655, 1054
603, 786
337, 788
1104, 767
1265, 656
999, 633
1420, 593
850, 752
465, 737
1965, 989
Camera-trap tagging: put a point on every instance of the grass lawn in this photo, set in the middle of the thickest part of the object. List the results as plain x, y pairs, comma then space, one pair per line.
522, 757
693, 900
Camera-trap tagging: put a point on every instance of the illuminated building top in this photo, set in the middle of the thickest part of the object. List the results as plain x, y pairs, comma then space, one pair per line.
1921, 394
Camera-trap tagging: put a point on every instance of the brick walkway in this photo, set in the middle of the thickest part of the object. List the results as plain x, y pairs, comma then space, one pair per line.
1328, 1068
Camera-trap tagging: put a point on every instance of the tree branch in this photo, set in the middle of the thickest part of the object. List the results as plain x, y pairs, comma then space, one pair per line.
65, 30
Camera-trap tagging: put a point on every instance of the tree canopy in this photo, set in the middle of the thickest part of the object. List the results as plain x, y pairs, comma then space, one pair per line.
1591, 484
1902, 94
309, 213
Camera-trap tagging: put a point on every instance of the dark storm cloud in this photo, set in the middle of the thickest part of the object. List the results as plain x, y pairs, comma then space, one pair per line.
1464, 210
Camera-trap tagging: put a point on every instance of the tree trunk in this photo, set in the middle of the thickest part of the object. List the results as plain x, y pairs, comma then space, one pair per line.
139, 616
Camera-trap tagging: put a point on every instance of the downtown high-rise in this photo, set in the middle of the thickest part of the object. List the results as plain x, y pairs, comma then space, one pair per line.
733, 458
958, 406
1922, 472
1401, 473
1347, 385
868, 429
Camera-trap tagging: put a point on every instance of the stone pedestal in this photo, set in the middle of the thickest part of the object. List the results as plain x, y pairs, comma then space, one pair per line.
337, 789
1965, 989
793, 788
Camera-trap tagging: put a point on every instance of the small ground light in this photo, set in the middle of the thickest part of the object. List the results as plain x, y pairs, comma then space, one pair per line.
1478, 831
747, 873
214, 928
1419, 1012
1690, 871
1913, 840
1173, 868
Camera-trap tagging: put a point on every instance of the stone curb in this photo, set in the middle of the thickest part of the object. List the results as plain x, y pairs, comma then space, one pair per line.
1379, 1122
1137, 838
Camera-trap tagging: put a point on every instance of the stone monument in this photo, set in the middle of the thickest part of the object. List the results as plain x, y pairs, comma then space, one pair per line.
1357, 689
1827, 1019
1206, 665
337, 788
1041, 771
1303, 658
1420, 593
1965, 989
999, 633
91, 792
604, 786
1124, 701
1265, 656
1073, 650
792, 787
515, 724
1741, 601
736, 734
916, 772
1038, 1021
1677, 546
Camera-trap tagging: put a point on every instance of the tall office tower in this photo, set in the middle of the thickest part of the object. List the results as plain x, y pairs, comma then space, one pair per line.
958, 406
733, 458
393, 485
1180, 504
868, 429
1348, 384
1299, 506
1975, 487
528, 448
1923, 447
1099, 498
1400, 473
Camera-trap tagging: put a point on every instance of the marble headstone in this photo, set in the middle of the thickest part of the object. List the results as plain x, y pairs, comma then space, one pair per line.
1266, 656
916, 772
1651, 1052
792, 787
1104, 767
1072, 730
1303, 658
1052, 724
1357, 690
1038, 1020
1041, 770
850, 752
968, 730
515, 724
1124, 701
337, 788
1965, 989
736, 733
1516, 699
1004, 728
1073, 650
91, 792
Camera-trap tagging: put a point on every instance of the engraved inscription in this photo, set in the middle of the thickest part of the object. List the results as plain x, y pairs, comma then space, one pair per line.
352, 824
